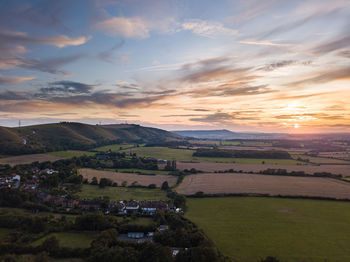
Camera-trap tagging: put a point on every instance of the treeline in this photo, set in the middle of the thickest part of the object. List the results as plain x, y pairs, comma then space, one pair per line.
268, 154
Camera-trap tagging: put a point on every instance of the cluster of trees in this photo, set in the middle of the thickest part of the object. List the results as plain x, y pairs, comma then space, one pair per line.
269, 154
284, 172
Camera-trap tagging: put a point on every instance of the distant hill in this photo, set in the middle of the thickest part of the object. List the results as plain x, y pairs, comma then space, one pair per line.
227, 134
68, 135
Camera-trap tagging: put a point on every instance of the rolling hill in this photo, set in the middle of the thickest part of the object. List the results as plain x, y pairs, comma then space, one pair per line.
69, 135
227, 134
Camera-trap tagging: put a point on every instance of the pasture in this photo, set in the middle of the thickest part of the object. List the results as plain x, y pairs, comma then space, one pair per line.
309, 169
114, 147
162, 153
293, 230
71, 153
30, 158
186, 155
142, 180
121, 193
4, 232
236, 183
320, 160
70, 239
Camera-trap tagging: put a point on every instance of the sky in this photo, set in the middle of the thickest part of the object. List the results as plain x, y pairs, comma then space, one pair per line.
242, 65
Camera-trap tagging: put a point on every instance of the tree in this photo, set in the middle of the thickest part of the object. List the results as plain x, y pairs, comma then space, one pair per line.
50, 245
94, 181
269, 259
105, 182
165, 185
152, 186
41, 257
9, 258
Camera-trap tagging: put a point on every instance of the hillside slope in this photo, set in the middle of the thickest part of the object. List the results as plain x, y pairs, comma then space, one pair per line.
67, 135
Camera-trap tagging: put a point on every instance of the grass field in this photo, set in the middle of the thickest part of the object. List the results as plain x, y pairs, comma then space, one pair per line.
71, 153
186, 155
4, 232
28, 257
70, 239
248, 160
27, 159
114, 147
248, 229
320, 160
162, 153
122, 193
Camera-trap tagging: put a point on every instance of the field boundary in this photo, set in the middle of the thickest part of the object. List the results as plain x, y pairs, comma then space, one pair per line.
200, 195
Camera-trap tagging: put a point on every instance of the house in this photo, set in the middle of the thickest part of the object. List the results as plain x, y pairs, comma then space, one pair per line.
132, 207
150, 208
162, 228
70, 203
30, 185
12, 181
136, 235
89, 204
102, 157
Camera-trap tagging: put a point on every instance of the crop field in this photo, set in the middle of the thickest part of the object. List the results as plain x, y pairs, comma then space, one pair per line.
162, 153
27, 159
114, 147
70, 239
339, 155
293, 230
186, 155
71, 153
309, 169
320, 160
121, 193
248, 160
143, 180
142, 171
236, 183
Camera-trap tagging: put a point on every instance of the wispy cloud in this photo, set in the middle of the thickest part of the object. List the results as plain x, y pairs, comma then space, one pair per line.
134, 27
22, 38
207, 28
15, 79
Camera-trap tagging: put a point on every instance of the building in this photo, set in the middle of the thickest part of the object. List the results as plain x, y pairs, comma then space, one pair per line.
132, 207
151, 208
89, 204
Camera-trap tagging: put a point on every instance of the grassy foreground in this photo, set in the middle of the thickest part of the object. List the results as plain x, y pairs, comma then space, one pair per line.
121, 193
293, 230
70, 239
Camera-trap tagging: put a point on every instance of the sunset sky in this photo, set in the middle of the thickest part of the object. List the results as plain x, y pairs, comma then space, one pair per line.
268, 66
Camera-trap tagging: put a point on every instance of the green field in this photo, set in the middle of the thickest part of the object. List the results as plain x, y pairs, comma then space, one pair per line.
70, 239
114, 147
248, 160
4, 232
71, 153
162, 153
121, 193
186, 155
292, 230
320, 160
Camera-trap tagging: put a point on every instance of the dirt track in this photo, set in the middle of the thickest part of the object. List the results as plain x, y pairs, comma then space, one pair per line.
143, 180
211, 183
211, 167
